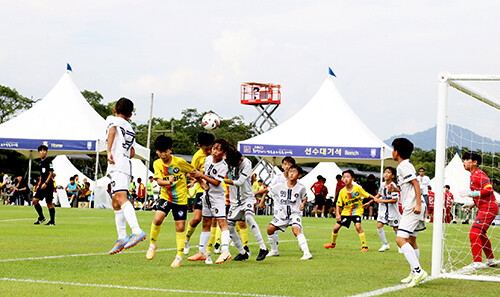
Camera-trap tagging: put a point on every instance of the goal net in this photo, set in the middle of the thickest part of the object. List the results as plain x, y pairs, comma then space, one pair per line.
468, 120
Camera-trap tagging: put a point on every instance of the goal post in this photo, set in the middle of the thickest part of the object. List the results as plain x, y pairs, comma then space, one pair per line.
458, 82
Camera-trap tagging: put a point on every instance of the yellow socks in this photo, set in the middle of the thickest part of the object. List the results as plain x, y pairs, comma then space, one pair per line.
244, 236
218, 235
189, 232
363, 239
211, 240
334, 237
180, 238
155, 230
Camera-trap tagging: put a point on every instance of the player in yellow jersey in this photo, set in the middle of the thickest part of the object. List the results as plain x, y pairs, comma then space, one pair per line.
170, 173
350, 201
205, 141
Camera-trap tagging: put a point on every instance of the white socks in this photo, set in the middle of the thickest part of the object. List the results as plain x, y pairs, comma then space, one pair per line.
273, 242
121, 224
224, 241
129, 213
303, 243
411, 257
381, 234
235, 237
255, 229
204, 237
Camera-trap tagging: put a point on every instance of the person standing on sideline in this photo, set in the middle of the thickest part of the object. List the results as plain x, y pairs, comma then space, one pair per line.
319, 200
120, 148
424, 182
45, 188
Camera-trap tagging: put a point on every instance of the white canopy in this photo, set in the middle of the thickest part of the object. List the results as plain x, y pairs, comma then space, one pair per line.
63, 120
328, 170
326, 128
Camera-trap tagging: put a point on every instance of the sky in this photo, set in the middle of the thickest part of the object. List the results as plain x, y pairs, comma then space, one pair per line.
387, 55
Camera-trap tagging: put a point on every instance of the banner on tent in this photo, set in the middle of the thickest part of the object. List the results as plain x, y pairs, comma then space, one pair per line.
310, 151
52, 144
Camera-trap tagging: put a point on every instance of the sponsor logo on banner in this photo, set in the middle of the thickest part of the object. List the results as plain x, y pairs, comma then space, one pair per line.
89, 145
247, 149
373, 152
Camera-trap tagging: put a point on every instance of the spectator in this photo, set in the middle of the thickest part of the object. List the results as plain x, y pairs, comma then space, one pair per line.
84, 196
141, 193
370, 186
424, 182
150, 194
340, 186
20, 190
72, 189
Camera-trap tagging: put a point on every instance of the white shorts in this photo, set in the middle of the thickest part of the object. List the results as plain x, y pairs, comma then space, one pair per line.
213, 208
237, 212
282, 224
119, 181
411, 223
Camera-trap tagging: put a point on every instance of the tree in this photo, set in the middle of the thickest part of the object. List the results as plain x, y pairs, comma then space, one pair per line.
95, 99
11, 102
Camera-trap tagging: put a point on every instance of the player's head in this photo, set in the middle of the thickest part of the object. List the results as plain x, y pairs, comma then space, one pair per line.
233, 156
371, 178
324, 180
163, 146
87, 185
295, 172
447, 187
139, 180
72, 180
429, 187
124, 107
42, 150
348, 177
220, 148
205, 142
260, 182
338, 177
472, 159
287, 162
389, 173
150, 178
319, 177
76, 177
402, 148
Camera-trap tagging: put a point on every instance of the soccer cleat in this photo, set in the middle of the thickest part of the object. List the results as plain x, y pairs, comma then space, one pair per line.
217, 248
247, 249
209, 260
262, 254
119, 245
364, 249
473, 267
50, 223
384, 247
241, 257
186, 247
329, 245
38, 222
224, 257
417, 278
492, 262
306, 256
151, 252
135, 239
408, 278
197, 257
177, 262
273, 253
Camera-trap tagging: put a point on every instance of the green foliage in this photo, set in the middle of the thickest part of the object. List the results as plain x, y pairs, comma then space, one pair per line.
11, 102
95, 99
13, 163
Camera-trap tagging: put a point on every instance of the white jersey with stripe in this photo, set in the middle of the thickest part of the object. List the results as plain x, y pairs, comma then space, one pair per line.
123, 143
216, 171
287, 200
389, 211
241, 190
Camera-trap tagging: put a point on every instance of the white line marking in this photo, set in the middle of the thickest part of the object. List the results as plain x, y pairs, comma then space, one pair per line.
389, 289
134, 288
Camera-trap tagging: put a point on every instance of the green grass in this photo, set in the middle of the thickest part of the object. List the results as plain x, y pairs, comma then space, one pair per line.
342, 271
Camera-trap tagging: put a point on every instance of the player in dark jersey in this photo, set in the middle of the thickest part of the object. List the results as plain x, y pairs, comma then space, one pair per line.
45, 188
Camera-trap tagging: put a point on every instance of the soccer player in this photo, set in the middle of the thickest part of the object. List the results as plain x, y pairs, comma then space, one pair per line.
388, 212
319, 200
430, 210
205, 142
413, 218
211, 179
349, 209
448, 200
242, 198
290, 199
141, 193
481, 191
45, 188
121, 141
170, 173
277, 179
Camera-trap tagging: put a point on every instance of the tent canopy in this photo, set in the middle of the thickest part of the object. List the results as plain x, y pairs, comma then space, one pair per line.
63, 120
325, 129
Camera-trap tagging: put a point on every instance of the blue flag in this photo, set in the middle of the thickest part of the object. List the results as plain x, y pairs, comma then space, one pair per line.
330, 71
458, 151
68, 67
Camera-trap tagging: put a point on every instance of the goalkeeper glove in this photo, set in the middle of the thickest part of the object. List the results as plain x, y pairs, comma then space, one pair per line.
467, 193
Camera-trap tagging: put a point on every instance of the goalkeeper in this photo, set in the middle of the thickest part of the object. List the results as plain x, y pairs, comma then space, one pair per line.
481, 191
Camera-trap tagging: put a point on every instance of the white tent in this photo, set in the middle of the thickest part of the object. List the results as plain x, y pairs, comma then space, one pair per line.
326, 128
262, 173
458, 179
63, 120
328, 170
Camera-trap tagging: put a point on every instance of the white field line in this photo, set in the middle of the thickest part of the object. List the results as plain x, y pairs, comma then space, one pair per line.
389, 289
134, 288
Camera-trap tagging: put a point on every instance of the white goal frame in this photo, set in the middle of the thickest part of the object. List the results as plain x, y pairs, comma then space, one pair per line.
451, 80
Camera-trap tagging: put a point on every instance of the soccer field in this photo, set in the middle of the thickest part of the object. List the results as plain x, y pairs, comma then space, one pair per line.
71, 259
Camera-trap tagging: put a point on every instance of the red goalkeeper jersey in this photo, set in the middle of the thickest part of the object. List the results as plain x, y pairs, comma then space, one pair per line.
479, 181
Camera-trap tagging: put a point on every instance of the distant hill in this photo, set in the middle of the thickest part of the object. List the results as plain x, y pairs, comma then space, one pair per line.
426, 140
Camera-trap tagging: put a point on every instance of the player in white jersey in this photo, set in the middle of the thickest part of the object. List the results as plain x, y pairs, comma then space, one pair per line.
120, 148
278, 179
211, 179
241, 198
292, 198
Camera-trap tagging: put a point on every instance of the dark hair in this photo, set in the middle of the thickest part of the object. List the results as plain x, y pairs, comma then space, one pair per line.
150, 177
75, 176
288, 159
43, 148
392, 169
403, 146
474, 156
298, 168
260, 181
87, 184
224, 145
371, 176
205, 138
72, 178
338, 176
324, 180
124, 106
421, 168
163, 143
139, 179
348, 171
447, 186
319, 177
233, 156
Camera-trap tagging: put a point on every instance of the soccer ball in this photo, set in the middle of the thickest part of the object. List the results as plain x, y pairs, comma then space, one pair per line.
210, 121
